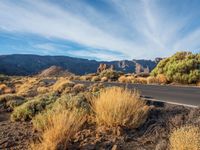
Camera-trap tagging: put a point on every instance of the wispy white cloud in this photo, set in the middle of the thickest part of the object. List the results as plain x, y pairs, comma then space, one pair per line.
137, 29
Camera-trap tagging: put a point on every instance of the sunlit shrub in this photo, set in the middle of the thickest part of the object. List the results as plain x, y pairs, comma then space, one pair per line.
120, 107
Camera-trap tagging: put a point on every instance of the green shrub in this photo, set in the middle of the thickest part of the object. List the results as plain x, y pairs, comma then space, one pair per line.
78, 104
32, 107
182, 67
111, 74
3, 77
10, 101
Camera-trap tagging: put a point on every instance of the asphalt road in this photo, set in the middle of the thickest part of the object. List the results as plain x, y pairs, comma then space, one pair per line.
189, 96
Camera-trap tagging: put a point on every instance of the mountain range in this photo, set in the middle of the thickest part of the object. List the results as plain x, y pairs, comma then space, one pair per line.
27, 64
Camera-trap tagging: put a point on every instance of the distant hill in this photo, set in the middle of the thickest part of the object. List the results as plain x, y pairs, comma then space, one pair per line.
24, 64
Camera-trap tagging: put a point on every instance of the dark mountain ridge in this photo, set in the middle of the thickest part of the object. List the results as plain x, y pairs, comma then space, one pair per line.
27, 64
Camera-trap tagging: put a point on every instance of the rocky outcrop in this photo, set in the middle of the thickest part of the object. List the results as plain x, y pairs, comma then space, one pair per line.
103, 67
54, 71
32, 64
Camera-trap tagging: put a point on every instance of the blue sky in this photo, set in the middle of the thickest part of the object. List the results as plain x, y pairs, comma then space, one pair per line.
100, 29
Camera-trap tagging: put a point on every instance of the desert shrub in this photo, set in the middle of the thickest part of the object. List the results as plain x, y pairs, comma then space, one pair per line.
42, 90
120, 107
104, 79
29, 87
110, 74
78, 102
60, 127
152, 80
3, 78
10, 101
5, 89
86, 77
140, 80
185, 138
122, 79
79, 88
32, 107
128, 79
95, 78
161, 78
198, 83
69, 102
96, 87
182, 67
62, 84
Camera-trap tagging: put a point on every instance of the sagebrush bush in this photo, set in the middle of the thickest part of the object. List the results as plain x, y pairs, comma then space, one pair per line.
95, 78
128, 79
33, 106
120, 107
29, 87
152, 80
162, 79
79, 88
110, 74
59, 129
140, 80
104, 79
10, 101
72, 103
182, 67
62, 84
185, 138
86, 77
122, 79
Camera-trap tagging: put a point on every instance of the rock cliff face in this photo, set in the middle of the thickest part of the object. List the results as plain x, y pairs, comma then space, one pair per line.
32, 64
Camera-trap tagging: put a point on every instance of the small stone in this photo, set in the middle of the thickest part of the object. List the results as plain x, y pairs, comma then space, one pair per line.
162, 145
119, 131
115, 147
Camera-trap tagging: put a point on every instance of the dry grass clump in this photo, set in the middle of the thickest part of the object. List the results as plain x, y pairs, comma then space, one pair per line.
120, 107
122, 79
29, 87
62, 84
128, 79
79, 88
152, 80
60, 127
33, 106
104, 79
10, 101
86, 78
162, 79
185, 138
5, 89
140, 80
95, 78
42, 90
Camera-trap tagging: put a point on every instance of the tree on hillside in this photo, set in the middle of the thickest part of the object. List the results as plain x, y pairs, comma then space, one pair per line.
182, 67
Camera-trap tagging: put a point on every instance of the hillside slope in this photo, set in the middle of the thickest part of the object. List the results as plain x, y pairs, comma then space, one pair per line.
32, 64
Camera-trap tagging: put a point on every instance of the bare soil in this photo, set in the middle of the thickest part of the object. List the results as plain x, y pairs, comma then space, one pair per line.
153, 135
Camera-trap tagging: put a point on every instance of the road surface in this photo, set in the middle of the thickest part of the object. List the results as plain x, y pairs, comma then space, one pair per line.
188, 96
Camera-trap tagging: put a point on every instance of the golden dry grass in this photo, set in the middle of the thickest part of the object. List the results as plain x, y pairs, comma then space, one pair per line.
60, 128
79, 87
185, 138
29, 87
140, 80
119, 107
152, 80
122, 79
104, 79
61, 84
162, 79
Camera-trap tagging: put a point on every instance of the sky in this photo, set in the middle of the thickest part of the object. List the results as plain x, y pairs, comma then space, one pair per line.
100, 29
